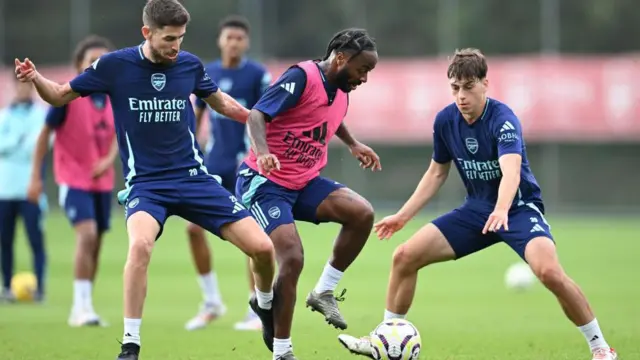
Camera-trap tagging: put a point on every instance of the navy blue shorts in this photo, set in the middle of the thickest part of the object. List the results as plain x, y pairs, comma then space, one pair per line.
82, 205
463, 226
273, 205
200, 200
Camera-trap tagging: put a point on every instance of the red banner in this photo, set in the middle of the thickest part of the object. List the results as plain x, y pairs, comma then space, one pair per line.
565, 99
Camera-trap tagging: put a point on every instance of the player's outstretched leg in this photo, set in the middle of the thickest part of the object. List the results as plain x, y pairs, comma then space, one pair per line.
541, 255
143, 230
212, 308
356, 215
249, 237
427, 246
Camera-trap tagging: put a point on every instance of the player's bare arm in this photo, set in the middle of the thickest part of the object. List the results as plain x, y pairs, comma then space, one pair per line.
510, 165
200, 115
257, 131
107, 162
113, 151
257, 128
224, 104
367, 157
50, 91
42, 147
428, 186
345, 135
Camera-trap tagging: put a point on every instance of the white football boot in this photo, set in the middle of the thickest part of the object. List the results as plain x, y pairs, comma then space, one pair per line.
605, 354
80, 318
251, 322
205, 316
359, 346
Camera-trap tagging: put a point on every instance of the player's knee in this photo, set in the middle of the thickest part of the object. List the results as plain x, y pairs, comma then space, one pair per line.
140, 250
551, 275
87, 232
262, 252
291, 262
404, 261
194, 231
87, 240
365, 214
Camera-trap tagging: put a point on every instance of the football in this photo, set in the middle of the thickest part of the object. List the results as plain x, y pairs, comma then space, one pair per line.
24, 286
519, 277
395, 339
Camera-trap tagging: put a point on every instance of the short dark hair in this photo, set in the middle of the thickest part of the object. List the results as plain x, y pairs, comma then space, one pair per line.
468, 64
160, 13
88, 43
352, 39
234, 21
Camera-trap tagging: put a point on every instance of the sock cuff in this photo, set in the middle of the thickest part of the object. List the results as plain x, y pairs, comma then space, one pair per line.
129, 321
391, 315
209, 275
590, 325
329, 268
258, 292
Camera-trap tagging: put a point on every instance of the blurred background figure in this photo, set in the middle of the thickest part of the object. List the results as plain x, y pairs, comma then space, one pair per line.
84, 151
225, 144
20, 124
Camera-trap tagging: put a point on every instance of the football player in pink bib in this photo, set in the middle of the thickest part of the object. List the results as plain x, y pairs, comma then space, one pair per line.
279, 182
84, 174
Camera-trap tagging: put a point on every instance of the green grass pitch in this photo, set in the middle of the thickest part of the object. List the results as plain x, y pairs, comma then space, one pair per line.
462, 309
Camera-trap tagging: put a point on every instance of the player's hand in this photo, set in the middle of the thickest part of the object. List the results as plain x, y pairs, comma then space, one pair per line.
367, 157
34, 191
388, 226
25, 71
101, 167
267, 163
498, 219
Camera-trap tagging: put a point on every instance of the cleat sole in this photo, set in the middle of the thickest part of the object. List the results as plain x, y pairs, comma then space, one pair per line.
354, 352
